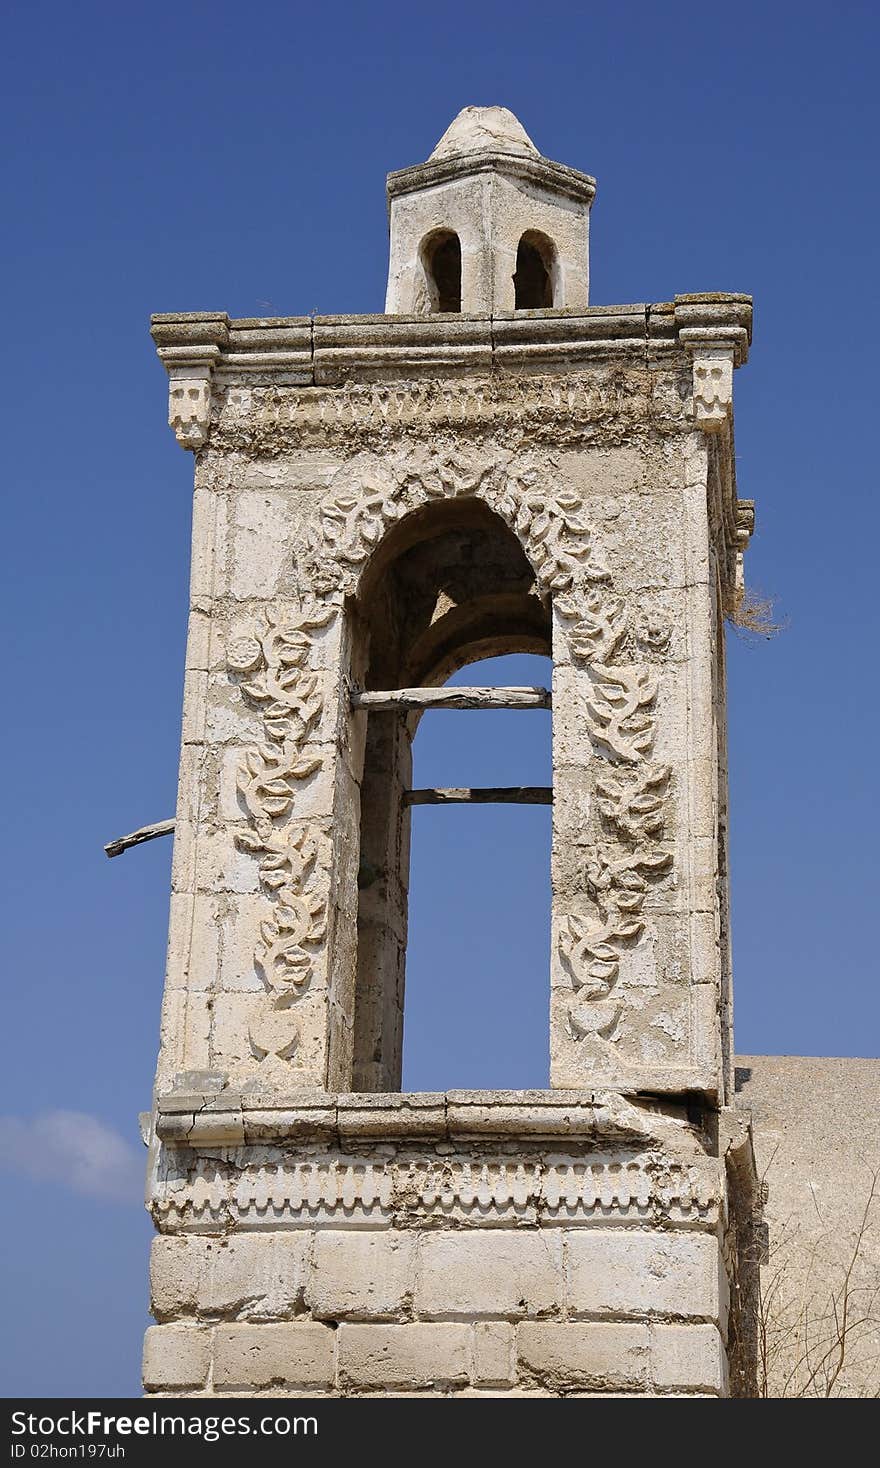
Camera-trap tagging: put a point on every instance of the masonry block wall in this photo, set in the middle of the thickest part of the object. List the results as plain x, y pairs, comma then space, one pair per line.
565, 1266
533, 1312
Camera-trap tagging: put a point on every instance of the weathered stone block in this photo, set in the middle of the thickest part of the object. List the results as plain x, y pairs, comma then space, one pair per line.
257, 1276
238, 921
364, 1276
178, 1274
688, 1357
176, 1356
642, 1273
572, 1355
494, 1353
193, 941
260, 528
468, 1273
415, 1356
267, 1355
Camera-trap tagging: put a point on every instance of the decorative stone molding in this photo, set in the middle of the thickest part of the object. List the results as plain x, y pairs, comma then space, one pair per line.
189, 404
342, 1189
744, 513
408, 349
592, 951
613, 405
713, 388
563, 551
273, 660
632, 800
538, 172
631, 794
558, 541
287, 382
369, 496
714, 354
190, 345
618, 718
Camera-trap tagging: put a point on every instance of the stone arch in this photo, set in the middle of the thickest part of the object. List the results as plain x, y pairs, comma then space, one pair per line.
370, 497
449, 583
440, 259
463, 588
536, 278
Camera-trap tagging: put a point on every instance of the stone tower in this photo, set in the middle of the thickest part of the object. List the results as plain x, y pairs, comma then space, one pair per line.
493, 465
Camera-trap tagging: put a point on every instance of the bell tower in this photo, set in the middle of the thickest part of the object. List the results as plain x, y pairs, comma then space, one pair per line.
493, 465
488, 225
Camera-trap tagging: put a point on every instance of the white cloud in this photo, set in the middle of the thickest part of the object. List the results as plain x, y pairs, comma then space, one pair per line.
76, 1150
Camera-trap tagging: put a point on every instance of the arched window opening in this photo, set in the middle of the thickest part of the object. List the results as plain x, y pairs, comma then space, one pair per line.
534, 279
477, 1001
448, 586
441, 262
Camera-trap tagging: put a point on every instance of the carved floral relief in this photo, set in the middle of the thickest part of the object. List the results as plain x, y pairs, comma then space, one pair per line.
371, 497
619, 711
272, 662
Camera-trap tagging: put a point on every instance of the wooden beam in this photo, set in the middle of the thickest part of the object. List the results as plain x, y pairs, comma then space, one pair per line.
403, 700
146, 833
492, 795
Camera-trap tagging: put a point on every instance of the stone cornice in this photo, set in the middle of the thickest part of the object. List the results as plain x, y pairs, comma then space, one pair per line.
224, 1189
716, 317
203, 1118
326, 349
202, 349
542, 172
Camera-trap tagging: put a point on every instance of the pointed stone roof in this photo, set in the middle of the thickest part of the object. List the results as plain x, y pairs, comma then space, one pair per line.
490, 140
484, 130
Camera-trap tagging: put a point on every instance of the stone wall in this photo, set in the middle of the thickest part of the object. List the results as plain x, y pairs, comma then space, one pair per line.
621, 507
541, 1267
561, 1242
538, 1313
816, 1122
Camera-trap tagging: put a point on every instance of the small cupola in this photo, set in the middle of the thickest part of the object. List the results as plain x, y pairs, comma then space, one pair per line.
488, 224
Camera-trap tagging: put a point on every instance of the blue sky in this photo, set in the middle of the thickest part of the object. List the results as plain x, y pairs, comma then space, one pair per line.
214, 156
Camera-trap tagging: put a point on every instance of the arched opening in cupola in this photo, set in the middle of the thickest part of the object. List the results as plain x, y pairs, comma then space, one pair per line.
440, 255
536, 272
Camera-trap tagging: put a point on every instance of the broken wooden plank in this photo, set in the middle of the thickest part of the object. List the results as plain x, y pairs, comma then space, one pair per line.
405, 699
146, 833
489, 795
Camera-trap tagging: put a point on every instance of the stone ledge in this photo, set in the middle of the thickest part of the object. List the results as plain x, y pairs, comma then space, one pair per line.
533, 168
324, 350
189, 1118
